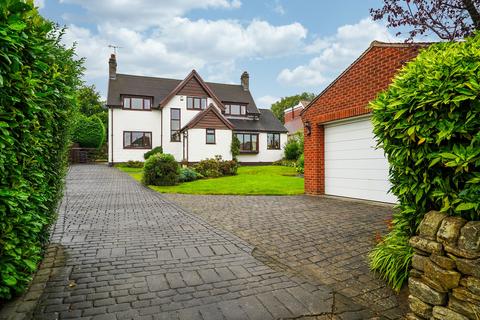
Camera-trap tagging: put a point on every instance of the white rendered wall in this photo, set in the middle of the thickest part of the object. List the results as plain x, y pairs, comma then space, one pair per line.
265, 155
199, 150
130, 120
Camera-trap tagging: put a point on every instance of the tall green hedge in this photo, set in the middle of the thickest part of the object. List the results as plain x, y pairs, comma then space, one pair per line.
89, 132
38, 77
428, 124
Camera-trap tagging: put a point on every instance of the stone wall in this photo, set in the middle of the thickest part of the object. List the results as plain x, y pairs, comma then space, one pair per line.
444, 281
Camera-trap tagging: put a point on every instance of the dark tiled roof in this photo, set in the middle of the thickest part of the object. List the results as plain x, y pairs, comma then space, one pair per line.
267, 122
159, 88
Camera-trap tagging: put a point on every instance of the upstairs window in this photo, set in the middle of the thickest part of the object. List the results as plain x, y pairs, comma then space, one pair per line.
273, 141
137, 140
195, 103
137, 103
210, 136
236, 109
175, 125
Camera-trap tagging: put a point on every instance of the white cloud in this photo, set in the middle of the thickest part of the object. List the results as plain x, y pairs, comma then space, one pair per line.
266, 101
40, 4
335, 53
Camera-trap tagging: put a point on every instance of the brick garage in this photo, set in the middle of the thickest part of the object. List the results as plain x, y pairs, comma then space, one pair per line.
347, 97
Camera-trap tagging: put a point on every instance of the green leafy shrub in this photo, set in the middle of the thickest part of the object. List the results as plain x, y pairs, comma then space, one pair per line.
155, 150
209, 168
189, 174
89, 132
292, 149
235, 147
228, 168
161, 169
427, 122
300, 163
38, 79
134, 164
285, 163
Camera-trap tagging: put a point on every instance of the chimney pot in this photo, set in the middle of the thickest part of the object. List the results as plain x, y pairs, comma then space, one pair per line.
244, 80
112, 67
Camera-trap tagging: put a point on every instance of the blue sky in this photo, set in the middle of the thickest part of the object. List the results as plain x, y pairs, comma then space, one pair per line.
286, 46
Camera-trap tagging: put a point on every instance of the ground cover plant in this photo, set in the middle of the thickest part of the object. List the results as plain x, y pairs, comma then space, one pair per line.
427, 122
38, 80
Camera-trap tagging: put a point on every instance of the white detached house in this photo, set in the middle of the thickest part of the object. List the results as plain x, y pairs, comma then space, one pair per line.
191, 119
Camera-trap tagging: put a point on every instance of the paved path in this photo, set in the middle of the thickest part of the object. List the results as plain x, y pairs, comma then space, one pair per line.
120, 251
324, 238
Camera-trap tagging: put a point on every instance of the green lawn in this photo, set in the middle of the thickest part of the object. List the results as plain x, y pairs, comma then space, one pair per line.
254, 180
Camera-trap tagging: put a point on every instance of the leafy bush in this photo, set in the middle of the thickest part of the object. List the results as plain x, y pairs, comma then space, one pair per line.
228, 168
300, 163
285, 163
155, 150
134, 164
235, 147
161, 169
292, 149
216, 167
188, 174
428, 124
38, 79
89, 132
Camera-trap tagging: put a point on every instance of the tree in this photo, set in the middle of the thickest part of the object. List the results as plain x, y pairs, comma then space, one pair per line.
288, 102
89, 103
447, 19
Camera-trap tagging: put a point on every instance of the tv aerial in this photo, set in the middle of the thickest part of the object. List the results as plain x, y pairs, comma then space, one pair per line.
114, 48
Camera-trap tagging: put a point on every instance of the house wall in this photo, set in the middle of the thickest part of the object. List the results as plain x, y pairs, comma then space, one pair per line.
199, 150
264, 154
131, 120
348, 96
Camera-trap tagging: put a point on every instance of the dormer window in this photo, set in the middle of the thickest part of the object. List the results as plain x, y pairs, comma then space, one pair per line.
196, 103
137, 103
236, 109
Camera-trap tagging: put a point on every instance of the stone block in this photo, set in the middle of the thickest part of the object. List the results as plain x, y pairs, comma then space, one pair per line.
418, 262
448, 279
465, 295
433, 284
419, 307
469, 266
422, 291
429, 226
470, 236
466, 308
449, 230
414, 273
469, 254
426, 245
473, 284
442, 261
443, 313
412, 316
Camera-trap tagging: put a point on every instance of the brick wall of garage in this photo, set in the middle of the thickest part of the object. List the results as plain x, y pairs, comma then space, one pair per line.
348, 96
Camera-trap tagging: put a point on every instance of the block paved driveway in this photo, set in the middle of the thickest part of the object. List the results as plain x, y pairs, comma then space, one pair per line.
121, 251
325, 239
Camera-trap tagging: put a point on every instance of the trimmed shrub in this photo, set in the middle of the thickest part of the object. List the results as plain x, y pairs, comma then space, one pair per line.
292, 149
209, 168
89, 132
427, 122
300, 164
161, 169
155, 150
188, 174
38, 79
235, 147
134, 164
228, 168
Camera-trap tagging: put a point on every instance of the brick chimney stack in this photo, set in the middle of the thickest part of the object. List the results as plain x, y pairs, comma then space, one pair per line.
244, 80
112, 67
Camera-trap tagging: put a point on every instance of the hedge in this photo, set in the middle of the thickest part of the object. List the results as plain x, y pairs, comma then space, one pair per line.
89, 132
38, 78
427, 122
161, 169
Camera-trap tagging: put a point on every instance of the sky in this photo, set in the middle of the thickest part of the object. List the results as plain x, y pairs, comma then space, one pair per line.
287, 47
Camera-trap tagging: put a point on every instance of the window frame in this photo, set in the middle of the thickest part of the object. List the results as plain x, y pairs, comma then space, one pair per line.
214, 136
279, 141
133, 147
179, 125
228, 109
202, 106
144, 98
243, 151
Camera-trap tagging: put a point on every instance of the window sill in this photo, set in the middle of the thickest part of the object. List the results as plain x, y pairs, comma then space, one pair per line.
137, 148
248, 152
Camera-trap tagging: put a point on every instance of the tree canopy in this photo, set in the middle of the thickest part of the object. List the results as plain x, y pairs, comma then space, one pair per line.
447, 19
288, 102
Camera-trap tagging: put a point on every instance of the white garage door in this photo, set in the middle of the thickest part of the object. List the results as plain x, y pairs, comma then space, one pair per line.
353, 167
